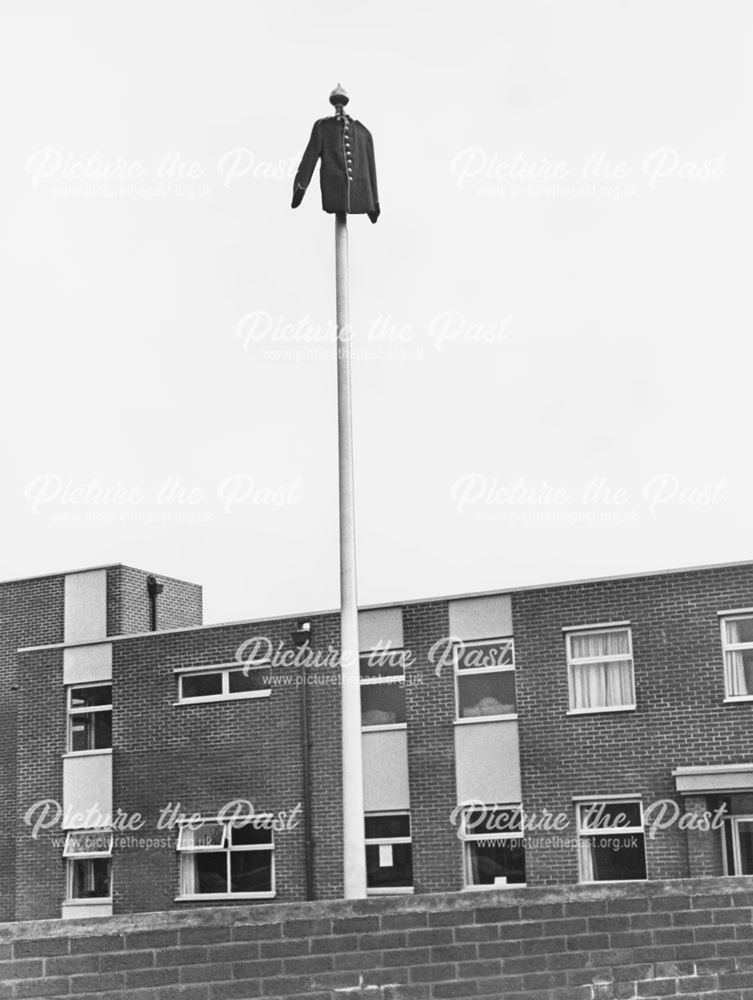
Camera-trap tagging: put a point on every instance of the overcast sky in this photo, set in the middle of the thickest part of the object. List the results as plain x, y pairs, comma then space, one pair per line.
551, 317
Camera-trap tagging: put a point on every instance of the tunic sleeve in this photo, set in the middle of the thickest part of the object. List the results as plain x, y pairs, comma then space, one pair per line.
306, 169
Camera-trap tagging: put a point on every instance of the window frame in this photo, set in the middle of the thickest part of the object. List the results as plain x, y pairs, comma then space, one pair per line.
579, 630
228, 849
70, 858
399, 679
475, 671
583, 833
398, 890
85, 710
471, 838
729, 616
731, 824
224, 670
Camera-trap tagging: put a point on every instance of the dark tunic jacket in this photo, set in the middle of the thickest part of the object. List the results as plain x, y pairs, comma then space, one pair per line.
348, 173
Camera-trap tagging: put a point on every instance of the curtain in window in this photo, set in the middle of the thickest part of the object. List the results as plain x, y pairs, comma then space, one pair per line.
739, 666
600, 644
187, 874
587, 871
602, 685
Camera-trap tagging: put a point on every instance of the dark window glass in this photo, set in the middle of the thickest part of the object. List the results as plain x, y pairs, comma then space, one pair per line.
251, 871
201, 685
387, 826
89, 697
91, 878
91, 731
616, 857
490, 821
388, 866
211, 872
252, 680
611, 815
474, 656
486, 694
502, 860
249, 835
386, 663
382, 704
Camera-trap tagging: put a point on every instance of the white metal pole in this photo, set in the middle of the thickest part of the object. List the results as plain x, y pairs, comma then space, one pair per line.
354, 857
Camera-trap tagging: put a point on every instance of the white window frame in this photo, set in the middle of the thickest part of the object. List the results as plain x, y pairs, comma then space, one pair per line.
461, 646
71, 856
585, 833
572, 661
734, 822
470, 838
733, 647
399, 890
224, 670
391, 679
228, 850
84, 710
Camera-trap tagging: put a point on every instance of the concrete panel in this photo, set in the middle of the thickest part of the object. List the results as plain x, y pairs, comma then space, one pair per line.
487, 762
81, 908
87, 785
87, 664
481, 617
380, 627
385, 770
85, 606
714, 779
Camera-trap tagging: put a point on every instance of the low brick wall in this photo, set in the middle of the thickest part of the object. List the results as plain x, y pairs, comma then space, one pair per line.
690, 938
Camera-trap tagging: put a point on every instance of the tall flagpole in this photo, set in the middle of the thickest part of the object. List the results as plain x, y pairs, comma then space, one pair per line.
354, 857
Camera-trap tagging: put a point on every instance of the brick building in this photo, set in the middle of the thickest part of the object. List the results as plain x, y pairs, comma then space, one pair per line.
596, 731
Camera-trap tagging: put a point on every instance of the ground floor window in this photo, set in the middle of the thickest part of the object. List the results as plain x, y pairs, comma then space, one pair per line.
225, 859
611, 840
389, 862
88, 859
493, 848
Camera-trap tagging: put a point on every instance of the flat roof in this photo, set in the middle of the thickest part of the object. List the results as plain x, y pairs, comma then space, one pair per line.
391, 604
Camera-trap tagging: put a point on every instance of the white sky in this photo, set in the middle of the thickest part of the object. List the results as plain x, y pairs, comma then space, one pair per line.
593, 328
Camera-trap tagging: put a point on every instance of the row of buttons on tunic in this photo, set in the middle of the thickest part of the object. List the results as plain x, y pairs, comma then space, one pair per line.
348, 157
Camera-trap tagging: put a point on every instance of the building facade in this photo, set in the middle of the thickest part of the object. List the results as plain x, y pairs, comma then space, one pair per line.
587, 732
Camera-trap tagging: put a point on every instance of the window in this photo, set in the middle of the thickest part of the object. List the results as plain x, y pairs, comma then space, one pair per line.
493, 847
225, 859
88, 855
485, 679
738, 845
89, 718
224, 683
389, 866
600, 665
611, 841
382, 688
737, 642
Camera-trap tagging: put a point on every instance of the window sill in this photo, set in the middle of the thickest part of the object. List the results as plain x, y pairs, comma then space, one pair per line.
384, 729
737, 699
87, 753
615, 881
88, 901
215, 698
601, 711
198, 897
492, 888
471, 720
404, 890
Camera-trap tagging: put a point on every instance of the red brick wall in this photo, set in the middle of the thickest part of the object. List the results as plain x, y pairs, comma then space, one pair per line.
40, 882
680, 717
664, 939
31, 613
129, 607
430, 711
206, 755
